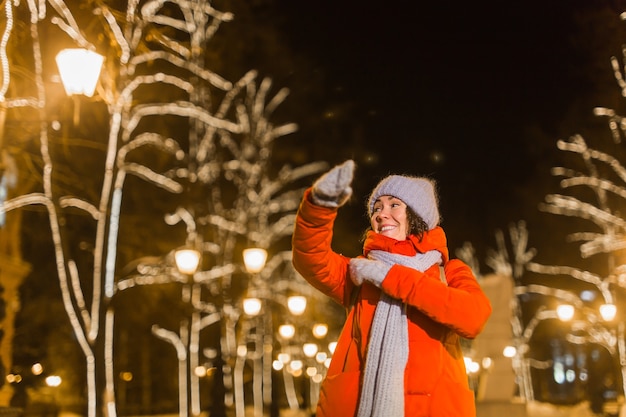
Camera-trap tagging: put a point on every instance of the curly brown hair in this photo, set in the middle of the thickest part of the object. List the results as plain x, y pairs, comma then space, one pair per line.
417, 225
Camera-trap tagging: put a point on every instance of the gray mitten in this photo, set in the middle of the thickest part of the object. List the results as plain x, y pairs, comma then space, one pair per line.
333, 188
365, 269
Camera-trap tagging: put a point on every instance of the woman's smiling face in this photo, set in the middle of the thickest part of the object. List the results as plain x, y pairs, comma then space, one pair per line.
389, 217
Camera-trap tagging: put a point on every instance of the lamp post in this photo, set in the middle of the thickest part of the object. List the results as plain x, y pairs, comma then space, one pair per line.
303, 357
254, 262
592, 327
318, 359
79, 70
252, 308
258, 329
187, 262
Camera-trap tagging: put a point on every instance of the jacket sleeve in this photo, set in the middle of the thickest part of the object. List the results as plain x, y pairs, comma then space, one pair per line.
313, 257
460, 305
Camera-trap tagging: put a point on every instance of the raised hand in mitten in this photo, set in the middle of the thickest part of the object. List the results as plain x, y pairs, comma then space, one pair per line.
333, 188
363, 269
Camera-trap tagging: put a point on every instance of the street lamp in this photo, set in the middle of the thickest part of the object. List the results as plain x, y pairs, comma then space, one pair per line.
187, 260
296, 304
252, 306
287, 331
565, 312
320, 330
36, 369
309, 349
608, 311
509, 351
79, 70
53, 380
254, 259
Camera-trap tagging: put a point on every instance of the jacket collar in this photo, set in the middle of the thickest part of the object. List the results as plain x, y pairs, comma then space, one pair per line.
434, 239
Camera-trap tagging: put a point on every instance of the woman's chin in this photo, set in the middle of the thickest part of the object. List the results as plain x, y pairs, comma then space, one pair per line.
392, 235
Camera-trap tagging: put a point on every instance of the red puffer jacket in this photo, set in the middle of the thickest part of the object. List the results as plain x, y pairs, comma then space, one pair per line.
435, 379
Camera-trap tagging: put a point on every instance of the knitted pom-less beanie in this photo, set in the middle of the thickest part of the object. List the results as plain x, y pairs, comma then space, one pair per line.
416, 192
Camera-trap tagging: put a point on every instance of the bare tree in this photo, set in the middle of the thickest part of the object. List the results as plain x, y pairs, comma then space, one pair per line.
594, 187
175, 125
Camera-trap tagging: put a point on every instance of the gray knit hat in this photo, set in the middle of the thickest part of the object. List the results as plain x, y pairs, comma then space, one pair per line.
416, 192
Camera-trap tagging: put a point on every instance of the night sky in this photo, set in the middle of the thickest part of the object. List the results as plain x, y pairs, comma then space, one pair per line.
472, 94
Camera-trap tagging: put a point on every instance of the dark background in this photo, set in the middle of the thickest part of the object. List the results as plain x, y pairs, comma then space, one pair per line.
472, 94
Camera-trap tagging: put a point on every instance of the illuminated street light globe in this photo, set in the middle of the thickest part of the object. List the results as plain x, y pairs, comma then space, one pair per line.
277, 365
565, 312
309, 349
509, 351
296, 304
36, 369
187, 260
53, 380
608, 311
254, 259
287, 331
200, 371
252, 306
320, 330
79, 70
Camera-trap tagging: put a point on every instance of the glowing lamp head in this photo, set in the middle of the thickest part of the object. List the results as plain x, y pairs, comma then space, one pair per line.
254, 259
252, 306
287, 331
296, 304
79, 70
509, 351
309, 349
565, 312
53, 380
320, 330
187, 260
608, 311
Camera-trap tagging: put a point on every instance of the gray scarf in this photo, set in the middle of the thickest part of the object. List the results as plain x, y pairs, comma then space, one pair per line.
382, 394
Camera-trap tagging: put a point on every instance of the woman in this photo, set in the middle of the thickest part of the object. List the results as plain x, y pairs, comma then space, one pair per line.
398, 353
